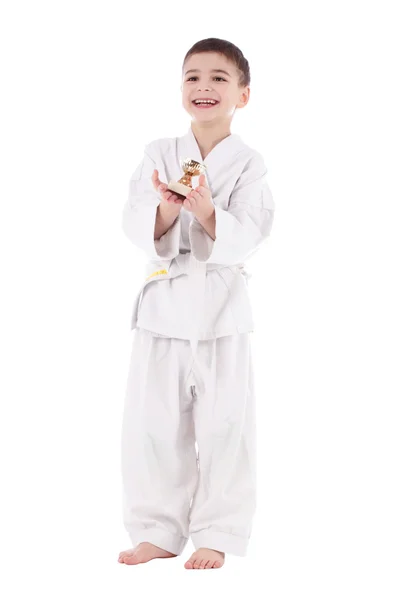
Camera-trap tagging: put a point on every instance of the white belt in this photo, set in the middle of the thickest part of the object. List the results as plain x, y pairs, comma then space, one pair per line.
183, 264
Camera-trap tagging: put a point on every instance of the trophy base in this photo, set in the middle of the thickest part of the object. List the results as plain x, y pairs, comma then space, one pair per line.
179, 189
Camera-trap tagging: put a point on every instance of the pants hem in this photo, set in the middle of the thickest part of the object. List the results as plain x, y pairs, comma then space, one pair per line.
219, 540
159, 537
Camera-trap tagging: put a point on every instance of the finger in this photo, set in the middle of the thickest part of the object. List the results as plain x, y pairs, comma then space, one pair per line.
168, 196
202, 190
171, 198
155, 179
195, 196
202, 180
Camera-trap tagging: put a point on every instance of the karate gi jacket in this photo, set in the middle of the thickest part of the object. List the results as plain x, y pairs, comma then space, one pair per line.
195, 287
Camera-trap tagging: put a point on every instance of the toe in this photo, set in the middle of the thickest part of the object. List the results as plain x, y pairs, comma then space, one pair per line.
217, 564
202, 563
196, 564
208, 564
131, 559
188, 564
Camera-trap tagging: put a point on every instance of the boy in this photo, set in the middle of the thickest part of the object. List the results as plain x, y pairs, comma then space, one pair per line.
191, 378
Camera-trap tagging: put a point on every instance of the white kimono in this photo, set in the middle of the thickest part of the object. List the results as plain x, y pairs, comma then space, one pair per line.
195, 287
196, 290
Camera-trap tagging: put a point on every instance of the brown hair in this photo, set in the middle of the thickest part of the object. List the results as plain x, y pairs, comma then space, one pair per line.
229, 50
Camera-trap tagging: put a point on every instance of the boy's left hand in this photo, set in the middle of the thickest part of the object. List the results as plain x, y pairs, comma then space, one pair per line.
199, 202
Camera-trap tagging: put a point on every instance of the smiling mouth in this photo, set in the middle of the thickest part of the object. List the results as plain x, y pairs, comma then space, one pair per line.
205, 105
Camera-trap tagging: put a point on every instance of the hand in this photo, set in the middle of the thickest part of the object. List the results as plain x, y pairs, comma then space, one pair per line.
168, 198
199, 202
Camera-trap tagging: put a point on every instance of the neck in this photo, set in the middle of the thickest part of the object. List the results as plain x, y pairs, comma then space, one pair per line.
208, 135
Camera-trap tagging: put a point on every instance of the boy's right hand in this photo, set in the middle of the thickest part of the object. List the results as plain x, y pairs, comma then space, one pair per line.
167, 198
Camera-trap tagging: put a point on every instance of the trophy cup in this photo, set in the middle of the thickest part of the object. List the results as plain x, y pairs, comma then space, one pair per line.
183, 187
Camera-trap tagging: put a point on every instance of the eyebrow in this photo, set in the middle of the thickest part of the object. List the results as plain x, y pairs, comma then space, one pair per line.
212, 71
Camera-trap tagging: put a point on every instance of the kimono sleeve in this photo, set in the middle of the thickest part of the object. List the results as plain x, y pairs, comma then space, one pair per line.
140, 211
246, 223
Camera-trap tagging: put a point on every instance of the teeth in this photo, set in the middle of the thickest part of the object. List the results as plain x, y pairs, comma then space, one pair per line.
205, 102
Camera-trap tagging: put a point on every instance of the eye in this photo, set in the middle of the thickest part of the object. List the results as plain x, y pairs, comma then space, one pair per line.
195, 77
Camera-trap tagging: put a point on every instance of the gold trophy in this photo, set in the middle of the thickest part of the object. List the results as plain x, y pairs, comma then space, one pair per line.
183, 187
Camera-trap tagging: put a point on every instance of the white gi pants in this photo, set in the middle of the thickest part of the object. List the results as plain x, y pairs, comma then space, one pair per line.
170, 491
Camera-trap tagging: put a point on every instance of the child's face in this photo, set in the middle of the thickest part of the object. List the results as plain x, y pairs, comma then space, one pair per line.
204, 83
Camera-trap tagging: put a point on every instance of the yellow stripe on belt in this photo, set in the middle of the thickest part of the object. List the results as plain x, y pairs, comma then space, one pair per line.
162, 272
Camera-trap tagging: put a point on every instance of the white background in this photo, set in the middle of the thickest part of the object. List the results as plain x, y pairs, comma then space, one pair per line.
84, 86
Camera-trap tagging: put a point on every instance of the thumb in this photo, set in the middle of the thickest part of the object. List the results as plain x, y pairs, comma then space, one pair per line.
156, 181
202, 180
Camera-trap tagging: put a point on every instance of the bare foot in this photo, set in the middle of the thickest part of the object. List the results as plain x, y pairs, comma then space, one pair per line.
142, 554
204, 558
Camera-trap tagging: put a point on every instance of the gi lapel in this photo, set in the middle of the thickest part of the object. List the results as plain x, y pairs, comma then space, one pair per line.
222, 154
